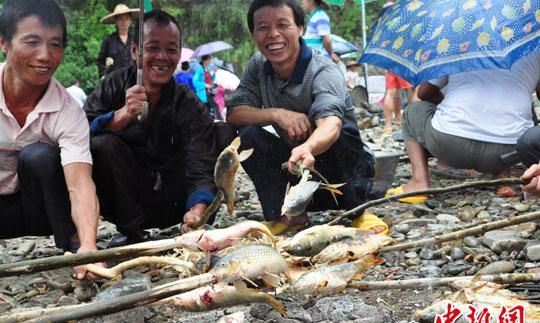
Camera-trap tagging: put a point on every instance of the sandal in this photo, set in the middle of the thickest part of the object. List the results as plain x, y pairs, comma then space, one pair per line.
369, 221
411, 199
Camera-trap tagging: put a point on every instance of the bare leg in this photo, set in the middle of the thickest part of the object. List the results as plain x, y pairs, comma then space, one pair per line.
419, 167
391, 107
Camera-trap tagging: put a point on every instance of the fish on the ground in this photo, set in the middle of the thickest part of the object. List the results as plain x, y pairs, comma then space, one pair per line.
253, 262
215, 240
221, 296
351, 249
298, 197
333, 279
225, 170
313, 240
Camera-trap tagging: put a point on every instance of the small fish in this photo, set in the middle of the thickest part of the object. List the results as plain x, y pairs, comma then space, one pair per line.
297, 197
225, 171
351, 248
313, 240
221, 296
330, 280
253, 262
215, 240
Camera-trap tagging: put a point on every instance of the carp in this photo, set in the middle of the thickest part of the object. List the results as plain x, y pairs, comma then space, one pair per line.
331, 279
313, 240
253, 262
215, 240
225, 171
298, 197
351, 248
221, 296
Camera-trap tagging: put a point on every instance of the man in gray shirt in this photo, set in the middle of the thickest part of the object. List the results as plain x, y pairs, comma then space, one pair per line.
302, 95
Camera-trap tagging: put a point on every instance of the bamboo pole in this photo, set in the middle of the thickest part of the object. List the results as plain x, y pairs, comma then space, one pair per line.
443, 281
477, 230
432, 191
77, 312
37, 265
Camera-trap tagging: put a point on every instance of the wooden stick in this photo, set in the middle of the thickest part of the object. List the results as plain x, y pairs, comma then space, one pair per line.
443, 281
70, 312
432, 191
36, 265
477, 230
117, 270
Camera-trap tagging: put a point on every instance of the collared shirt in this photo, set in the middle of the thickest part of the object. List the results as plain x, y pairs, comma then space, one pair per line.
56, 120
316, 88
113, 47
318, 26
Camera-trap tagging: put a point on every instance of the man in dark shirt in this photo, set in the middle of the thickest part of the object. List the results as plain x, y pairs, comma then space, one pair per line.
115, 52
149, 173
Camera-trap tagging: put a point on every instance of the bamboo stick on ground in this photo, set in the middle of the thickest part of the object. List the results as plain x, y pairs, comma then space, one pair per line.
70, 312
477, 230
36, 265
443, 281
432, 191
117, 270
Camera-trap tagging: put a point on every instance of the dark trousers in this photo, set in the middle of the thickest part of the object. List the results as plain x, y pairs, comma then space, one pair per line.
345, 162
128, 191
42, 205
528, 146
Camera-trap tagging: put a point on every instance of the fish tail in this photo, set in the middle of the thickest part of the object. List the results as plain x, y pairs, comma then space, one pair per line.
236, 143
275, 304
333, 188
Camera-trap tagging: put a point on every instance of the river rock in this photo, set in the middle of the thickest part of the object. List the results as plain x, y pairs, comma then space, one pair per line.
532, 250
498, 267
499, 240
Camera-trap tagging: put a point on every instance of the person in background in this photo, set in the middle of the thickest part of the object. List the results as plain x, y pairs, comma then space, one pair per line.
185, 76
301, 94
46, 182
392, 100
317, 34
203, 80
76, 92
114, 53
352, 75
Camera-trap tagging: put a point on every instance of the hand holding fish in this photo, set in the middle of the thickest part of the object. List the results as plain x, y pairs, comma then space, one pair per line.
302, 157
296, 124
532, 174
192, 216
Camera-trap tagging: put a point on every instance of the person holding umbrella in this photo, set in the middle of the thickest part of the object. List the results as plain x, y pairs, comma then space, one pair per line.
115, 52
203, 81
317, 33
301, 94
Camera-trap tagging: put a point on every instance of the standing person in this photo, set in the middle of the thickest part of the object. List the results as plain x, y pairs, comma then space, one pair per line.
157, 172
115, 52
45, 165
203, 81
76, 92
185, 76
392, 100
317, 34
301, 94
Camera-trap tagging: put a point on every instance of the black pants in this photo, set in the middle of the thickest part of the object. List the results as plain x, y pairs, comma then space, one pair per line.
345, 162
528, 146
42, 205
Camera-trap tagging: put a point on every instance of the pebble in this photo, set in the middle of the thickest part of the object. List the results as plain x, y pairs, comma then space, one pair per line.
457, 253
402, 228
497, 267
472, 242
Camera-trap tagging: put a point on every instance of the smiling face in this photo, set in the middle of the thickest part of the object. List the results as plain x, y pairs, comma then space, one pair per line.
33, 54
161, 53
276, 36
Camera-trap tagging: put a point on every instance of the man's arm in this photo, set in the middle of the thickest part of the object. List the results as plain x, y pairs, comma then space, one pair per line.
327, 43
325, 135
296, 124
431, 93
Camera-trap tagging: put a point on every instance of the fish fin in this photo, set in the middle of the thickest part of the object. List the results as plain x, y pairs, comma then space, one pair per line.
271, 280
358, 276
275, 304
244, 154
236, 143
333, 188
249, 280
240, 286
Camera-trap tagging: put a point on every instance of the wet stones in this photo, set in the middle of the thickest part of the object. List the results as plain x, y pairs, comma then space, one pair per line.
499, 240
498, 267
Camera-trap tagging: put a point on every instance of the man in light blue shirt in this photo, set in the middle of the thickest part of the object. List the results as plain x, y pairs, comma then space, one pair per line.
317, 35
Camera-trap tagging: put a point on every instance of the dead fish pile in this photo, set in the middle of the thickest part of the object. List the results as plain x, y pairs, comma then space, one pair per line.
313, 240
351, 249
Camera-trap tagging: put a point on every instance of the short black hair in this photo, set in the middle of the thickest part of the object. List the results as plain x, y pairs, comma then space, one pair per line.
255, 5
74, 81
47, 11
161, 18
185, 66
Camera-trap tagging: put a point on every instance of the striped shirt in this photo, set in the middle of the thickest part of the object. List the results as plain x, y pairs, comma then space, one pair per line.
56, 120
316, 88
318, 25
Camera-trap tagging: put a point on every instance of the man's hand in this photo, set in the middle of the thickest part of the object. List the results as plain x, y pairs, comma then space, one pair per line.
135, 98
301, 155
296, 124
192, 216
532, 173
335, 58
79, 272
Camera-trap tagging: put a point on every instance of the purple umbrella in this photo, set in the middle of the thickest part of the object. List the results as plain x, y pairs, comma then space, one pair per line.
211, 48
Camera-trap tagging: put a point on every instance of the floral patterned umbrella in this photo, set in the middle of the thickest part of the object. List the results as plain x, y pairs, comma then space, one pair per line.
422, 40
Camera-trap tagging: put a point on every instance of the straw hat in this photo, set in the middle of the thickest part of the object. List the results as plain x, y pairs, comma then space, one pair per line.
351, 63
120, 9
